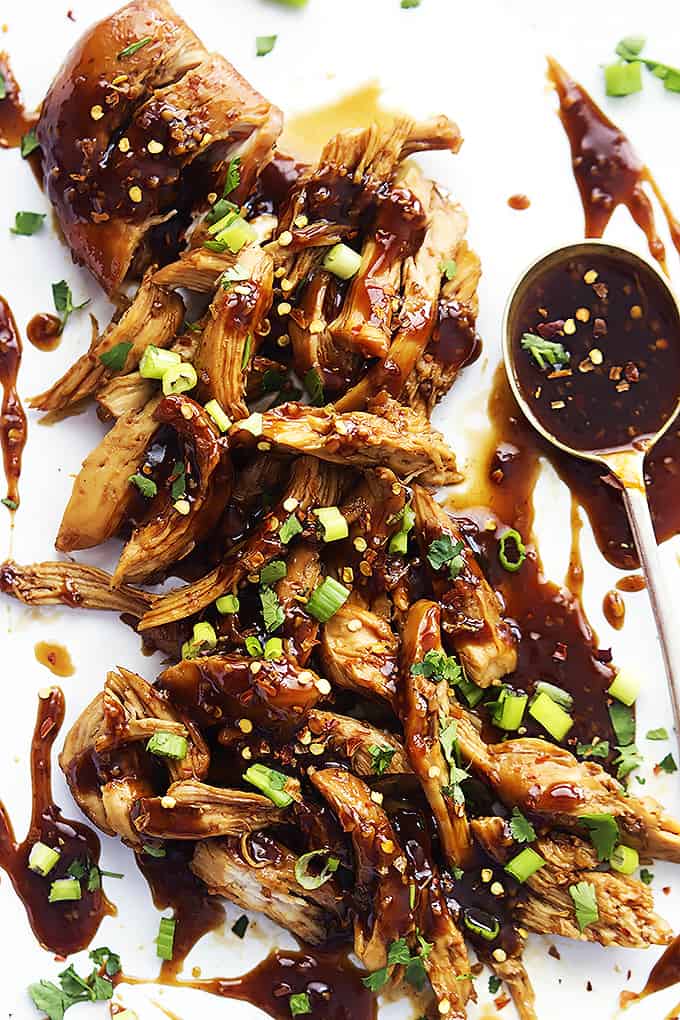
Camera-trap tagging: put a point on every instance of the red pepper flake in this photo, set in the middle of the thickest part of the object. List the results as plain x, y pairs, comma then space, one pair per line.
601, 289
589, 986
560, 653
501, 1001
666, 890
599, 328
549, 330
554, 952
631, 372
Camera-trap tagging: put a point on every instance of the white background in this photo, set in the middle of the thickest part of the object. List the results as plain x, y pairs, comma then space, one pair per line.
483, 64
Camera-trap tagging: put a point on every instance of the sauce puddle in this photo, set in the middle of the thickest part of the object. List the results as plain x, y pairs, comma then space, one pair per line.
14, 121
63, 927
55, 657
44, 331
13, 426
306, 133
519, 202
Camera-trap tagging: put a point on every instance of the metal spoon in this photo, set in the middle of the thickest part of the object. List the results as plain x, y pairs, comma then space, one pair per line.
625, 464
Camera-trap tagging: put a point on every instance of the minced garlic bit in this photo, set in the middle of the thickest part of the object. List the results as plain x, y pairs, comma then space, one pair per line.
596, 356
499, 955
347, 575
387, 846
285, 238
360, 544
284, 308
444, 1007
557, 405
246, 753
290, 504
582, 314
283, 340
124, 144
487, 874
434, 771
376, 797
182, 506
591, 276
287, 284
135, 193
168, 802
96, 112
155, 147
569, 327
323, 686
255, 667
496, 889
353, 625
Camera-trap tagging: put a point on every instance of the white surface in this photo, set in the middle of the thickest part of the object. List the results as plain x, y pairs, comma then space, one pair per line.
482, 63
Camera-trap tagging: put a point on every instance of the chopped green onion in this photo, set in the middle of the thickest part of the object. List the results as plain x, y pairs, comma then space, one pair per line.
308, 881
448, 268
264, 44
134, 47
511, 564
623, 722
114, 359
525, 864
155, 362
254, 646
42, 858
630, 47
65, 889
204, 634
326, 599
166, 938
399, 541
342, 261
273, 572
510, 709
29, 143
240, 926
227, 604
27, 223
333, 524
551, 716
472, 693
556, 694
623, 79
146, 486
214, 409
625, 688
659, 734
11, 504
253, 424
299, 1004
179, 379
224, 221
667, 764
154, 851
671, 81
313, 384
247, 351
270, 782
409, 5
624, 859
235, 235
3, 87
542, 351
273, 648
478, 921
168, 745
290, 527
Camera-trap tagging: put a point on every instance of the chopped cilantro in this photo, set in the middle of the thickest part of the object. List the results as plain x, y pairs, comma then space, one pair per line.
448, 268
146, 486
521, 828
659, 734
134, 47
629, 758
27, 223
494, 984
594, 750
272, 611
240, 926
381, 758
29, 143
646, 876
667, 764
438, 666
604, 833
623, 722
585, 904
114, 359
444, 551
264, 44
63, 301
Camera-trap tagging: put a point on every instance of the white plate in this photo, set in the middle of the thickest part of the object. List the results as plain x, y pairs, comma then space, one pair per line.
483, 64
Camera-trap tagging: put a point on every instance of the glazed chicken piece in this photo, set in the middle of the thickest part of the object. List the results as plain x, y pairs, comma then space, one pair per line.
123, 134
373, 510
454, 340
625, 905
102, 493
135, 711
420, 285
426, 715
214, 689
310, 484
549, 783
154, 317
388, 434
270, 888
358, 651
514, 973
299, 629
313, 347
471, 612
194, 810
355, 740
166, 535
381, 888
125, 394
230, 334
71, 584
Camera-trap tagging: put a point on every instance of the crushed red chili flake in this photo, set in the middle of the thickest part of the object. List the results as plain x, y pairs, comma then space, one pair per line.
603, 655
631, 372
560, 653
501, 1001
554, 952
599, 327
601, 289
549, 330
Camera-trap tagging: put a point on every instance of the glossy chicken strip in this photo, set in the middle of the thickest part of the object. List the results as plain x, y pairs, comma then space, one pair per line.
625, 905
303, 573
425, 711
215, 689
134, 711
358, 651
548, 782
390, 435
381, 869
71, 584
514, 973
471, 612
454, 340
311, 484
194, 810
311, 341
167, 536
374, 510
270, 888
177, 103
356, 740
420, 287
125, 394
102, 493
154, 317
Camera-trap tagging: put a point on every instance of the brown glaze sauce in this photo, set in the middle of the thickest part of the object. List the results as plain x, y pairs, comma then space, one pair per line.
607, 169
61, 928
633, 582
14, 121
614, 609
13, 426
664, 974
621, 333
55, 657
44, 331
519, 202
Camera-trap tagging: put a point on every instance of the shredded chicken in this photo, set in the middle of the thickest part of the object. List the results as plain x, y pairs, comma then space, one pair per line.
359, 651
71, 584
195, 810
369, 750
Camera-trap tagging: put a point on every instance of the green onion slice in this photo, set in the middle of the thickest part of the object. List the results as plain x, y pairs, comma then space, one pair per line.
326, 599
333, 524
511, 559
64, 889
342, 261
179, 379
42, 858
168, 745
155, 362
166, 938
270, 782
485, 925
309, 881
525, 864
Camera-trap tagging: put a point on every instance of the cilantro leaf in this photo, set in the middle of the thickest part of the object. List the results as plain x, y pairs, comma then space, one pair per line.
448, 268
233, 178
381, 758
646, 876
521, 828
49, 999
114, 359
146, 486
604, 833
629, 758
29, 143
585, 904
494, 984
272, 611
77, 869
398, 952
299, 1004
27, 223
667, 764
594, 750
106, 958
63, 301
438, 666
659, 734
444, 551
375, 981
264, 44
623, 722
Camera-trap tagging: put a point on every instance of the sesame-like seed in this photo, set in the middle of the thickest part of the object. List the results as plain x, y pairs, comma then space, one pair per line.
124, 144
622, 387
353, 625
245, 726
522, 730
246, 753
285, 238
253, 578
305, 677
557, 405
376, 797
396, 488
596, 356
255, 667
183, 507
301, 221
273, 524
360, 544
284, 308
582, 314
286, 284
487, 874
499, 955
168, 802
264, 445
444, 1006
96, 112
496, 889
365, 568
569, 327
155, 147
590, 276
636, 312
135, 193
206, 139
212, 197
316, 326
119, 79
387, 846
187, 411
323, 686
490, 524
316, 749
434, 771
523, 932
290, 504
279, 273
347, 575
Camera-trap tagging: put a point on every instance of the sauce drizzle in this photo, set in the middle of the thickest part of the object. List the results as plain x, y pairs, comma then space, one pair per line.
13, 426
44, 331
14, 121
55, 657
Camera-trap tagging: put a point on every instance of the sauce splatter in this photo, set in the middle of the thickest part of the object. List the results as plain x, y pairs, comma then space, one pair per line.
519, 202
614, 609
306, 133
13, 426
66, 927
14, 121
44, 331
632, 582
55, 657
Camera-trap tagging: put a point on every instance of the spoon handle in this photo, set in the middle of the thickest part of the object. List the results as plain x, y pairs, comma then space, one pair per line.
664, 613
